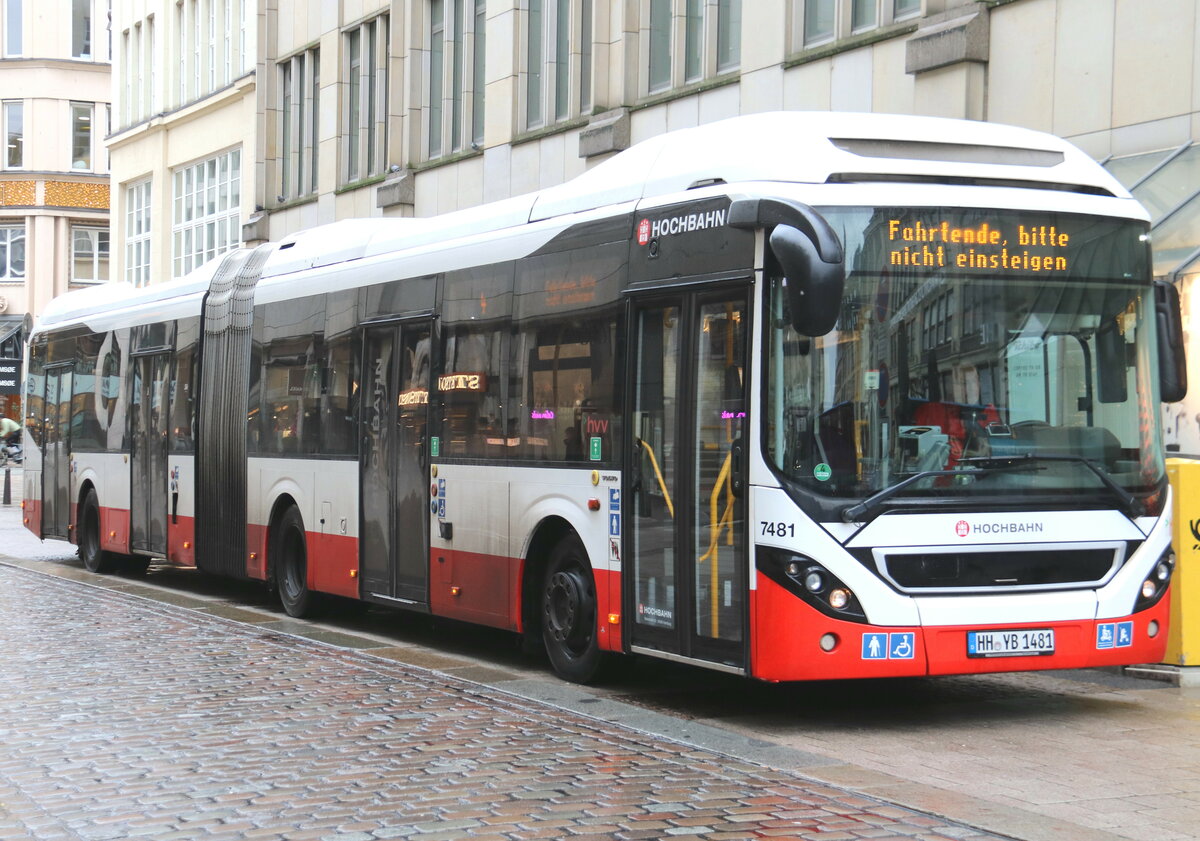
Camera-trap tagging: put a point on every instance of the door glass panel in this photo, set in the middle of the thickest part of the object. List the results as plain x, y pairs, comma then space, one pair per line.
719, 418
654, 431
376, 461
51, 448
411, 476
156, 455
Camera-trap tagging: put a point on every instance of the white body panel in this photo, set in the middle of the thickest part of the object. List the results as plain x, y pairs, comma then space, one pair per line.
321, 488
108, 472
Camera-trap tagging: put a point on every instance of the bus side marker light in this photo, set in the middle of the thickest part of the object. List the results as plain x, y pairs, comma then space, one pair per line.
455, 591
829, 642
614, 619
112, 535
187, 544
254, 556
593, 504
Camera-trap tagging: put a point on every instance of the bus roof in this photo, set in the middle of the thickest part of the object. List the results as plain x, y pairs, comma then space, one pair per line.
799, 147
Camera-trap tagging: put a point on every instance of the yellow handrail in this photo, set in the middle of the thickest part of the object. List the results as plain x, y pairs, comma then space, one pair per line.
724, 481
662, 484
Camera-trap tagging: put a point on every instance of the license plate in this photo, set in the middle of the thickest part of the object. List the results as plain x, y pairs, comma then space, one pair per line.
1010, 643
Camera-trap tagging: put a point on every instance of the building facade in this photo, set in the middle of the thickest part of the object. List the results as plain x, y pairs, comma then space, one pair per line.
54, 191
239, 121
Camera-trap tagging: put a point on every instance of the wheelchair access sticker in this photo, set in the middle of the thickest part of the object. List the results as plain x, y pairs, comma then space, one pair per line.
897, 646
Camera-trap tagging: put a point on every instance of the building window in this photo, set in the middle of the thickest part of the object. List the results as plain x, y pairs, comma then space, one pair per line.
14, 135
691, 40
137, 233
81, 29
558, 49
12, 252
365, 114
89, 254
822, 21
13, 41
300, 84
457, 40
81, 135
207, 211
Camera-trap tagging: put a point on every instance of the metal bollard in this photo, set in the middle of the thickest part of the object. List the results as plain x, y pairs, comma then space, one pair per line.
7, 486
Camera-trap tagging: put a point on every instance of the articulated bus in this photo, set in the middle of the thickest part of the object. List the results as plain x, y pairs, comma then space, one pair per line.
794, 396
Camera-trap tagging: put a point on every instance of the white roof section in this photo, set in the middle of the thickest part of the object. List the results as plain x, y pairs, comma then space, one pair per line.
877, 158
815, 147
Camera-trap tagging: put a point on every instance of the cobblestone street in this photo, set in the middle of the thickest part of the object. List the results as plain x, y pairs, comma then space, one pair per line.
125, 718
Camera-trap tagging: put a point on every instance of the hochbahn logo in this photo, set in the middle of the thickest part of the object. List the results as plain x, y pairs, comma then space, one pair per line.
962, 528
680, 224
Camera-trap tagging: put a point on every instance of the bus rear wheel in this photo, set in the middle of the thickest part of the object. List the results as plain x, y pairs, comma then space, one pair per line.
569, 614
94, 558
290, 557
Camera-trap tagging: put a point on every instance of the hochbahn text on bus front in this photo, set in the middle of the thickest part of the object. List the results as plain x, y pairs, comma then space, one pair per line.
791, 395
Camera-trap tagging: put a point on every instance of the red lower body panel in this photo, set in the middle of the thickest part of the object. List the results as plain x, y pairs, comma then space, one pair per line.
787, 634
475, 587
114, 530
333, 564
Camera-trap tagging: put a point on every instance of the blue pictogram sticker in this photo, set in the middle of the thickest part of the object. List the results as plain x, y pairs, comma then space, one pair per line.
441, 508
875, 646
1105, 635
614, 525
441, 487
1124, 634
614, 499
901, 646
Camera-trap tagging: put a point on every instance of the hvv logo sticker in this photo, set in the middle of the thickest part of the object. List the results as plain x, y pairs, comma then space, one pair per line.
898, 646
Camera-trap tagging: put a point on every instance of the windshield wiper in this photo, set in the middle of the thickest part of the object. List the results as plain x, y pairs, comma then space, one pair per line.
1131, 505
852, 513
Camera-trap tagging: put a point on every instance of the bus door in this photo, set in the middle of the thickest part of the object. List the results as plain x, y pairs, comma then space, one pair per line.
148, 454
686, 522
56, 454
394, 534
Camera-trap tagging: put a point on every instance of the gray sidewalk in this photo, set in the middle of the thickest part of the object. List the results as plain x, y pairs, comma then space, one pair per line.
123, 717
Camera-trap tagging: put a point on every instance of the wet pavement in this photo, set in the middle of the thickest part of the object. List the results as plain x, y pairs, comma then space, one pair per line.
180, 706
123, 717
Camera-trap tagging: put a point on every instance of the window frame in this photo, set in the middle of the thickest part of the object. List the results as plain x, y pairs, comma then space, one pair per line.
843, 25
557, 91
364, 113
457, 44
83, 112
101, 251
9, 235
685, 42
138, 196
14, 36
84, 29
299, 123
198, 233
7, 108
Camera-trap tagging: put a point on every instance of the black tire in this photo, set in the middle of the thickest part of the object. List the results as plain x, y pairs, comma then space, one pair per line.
289, 554
569, 628
94, 558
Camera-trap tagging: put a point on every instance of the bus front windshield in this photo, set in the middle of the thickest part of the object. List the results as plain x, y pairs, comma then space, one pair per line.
1002, 352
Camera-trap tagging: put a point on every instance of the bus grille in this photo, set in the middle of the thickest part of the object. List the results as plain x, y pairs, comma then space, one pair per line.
1045, 568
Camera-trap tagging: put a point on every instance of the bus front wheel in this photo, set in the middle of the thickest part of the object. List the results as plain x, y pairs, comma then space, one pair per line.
94, 558
290, 557
569, 613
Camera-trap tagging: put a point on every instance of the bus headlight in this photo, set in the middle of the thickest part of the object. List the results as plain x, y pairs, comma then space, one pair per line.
1156, 582
839, 598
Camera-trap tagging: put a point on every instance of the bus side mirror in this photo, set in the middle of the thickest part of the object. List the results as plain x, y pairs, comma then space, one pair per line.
1172, 362
808, 251
814, 286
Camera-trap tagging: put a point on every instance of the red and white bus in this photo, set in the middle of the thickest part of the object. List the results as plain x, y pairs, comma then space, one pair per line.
790, 395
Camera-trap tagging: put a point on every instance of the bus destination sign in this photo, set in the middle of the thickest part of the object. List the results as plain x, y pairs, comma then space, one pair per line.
987, 246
